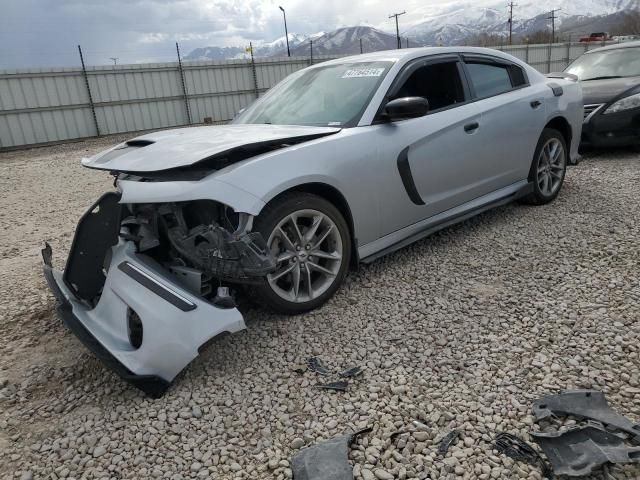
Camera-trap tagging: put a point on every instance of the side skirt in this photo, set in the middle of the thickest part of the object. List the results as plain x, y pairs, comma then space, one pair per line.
461, 217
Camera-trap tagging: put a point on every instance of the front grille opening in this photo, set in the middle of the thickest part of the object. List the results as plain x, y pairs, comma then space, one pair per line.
589, 109
134, 328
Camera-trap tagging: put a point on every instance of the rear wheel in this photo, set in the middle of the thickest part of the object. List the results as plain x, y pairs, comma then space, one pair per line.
311, 242
548, 168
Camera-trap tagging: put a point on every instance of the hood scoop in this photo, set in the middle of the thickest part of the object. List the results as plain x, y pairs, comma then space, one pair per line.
139, 143
120, 150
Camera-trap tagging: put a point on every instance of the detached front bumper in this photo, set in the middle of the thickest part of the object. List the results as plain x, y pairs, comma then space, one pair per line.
172, 323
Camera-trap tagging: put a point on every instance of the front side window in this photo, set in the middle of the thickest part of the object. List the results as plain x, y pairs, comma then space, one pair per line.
332, 95
439, 83
489, 79
621, 62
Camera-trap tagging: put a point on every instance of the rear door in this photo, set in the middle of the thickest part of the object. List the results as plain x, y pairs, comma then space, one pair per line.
512, 118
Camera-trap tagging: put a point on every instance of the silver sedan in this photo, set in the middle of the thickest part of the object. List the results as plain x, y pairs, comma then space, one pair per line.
340, 163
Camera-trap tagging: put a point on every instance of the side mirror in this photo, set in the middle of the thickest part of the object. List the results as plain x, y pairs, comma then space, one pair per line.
406, 107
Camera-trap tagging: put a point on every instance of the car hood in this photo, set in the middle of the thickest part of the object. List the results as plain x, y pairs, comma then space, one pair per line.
184, 147
603, 91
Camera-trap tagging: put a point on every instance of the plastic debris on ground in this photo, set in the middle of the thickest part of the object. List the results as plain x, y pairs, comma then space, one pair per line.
328, 460
521, 451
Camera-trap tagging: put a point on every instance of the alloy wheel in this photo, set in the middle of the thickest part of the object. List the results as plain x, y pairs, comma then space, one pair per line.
308, 248
551, 165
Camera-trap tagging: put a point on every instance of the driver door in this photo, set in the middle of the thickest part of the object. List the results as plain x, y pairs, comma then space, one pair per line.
430, 161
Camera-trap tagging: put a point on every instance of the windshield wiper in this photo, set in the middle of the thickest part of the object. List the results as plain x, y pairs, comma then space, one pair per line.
605, 77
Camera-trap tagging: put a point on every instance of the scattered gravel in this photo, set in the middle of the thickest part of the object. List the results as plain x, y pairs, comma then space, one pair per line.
459, 331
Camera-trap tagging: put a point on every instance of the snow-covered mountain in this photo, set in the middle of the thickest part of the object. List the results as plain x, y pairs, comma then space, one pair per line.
449, 23
346, 40
276, 48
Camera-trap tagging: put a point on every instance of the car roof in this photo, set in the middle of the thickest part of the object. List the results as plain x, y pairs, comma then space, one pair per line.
410, 53
615, 46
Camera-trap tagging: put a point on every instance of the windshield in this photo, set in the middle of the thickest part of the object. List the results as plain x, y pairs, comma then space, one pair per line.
332, 95
622, 62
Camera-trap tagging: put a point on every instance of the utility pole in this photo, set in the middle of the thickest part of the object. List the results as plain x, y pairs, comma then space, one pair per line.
511, 5
184, 85
86, 83
286, 32
311, 50
360, 45
407, 42
396, 15
553, 17
114, 60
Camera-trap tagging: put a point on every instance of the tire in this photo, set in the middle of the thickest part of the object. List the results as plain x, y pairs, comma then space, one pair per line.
548, 165
325, 249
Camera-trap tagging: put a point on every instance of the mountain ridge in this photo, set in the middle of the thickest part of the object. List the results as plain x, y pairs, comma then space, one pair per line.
448, 24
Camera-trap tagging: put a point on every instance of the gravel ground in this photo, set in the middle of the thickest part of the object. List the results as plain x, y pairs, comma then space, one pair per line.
462, 330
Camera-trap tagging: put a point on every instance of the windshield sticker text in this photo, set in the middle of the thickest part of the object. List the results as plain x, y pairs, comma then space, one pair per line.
363, 72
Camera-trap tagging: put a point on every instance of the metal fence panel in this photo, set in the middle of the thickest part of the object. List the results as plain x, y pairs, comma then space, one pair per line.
52, 104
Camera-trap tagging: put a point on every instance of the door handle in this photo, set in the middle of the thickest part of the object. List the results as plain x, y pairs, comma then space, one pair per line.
535, 104
471, 127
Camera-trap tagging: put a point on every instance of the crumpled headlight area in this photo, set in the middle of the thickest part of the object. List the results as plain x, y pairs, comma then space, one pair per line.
203, 235
627, 103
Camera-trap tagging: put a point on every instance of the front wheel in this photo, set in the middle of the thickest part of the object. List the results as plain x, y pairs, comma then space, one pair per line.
311, 243
548, 168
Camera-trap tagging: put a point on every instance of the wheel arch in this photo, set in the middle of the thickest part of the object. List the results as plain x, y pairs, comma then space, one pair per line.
563, 126
337, 199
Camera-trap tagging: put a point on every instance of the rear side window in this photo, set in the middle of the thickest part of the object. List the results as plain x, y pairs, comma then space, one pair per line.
489, 79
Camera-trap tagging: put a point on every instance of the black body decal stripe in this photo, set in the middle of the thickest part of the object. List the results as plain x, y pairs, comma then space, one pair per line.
407, 177
156, 287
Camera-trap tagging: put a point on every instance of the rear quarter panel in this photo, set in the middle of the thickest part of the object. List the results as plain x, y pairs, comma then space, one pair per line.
571, 107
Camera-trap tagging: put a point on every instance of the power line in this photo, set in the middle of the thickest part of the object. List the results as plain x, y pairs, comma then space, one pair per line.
511, 5
553, 17
396, 15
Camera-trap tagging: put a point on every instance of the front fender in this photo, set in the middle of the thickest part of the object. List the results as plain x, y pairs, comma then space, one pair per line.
208, 189
301, 181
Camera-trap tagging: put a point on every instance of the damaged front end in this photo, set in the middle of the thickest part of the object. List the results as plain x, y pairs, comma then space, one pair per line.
204, 236
143, 286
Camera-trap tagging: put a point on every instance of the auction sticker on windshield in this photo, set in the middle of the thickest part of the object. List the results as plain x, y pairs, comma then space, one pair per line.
363, 72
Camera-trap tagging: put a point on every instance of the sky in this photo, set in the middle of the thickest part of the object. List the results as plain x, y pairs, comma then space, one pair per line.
46, 32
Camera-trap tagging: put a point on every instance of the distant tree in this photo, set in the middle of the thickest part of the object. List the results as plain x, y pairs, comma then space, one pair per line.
539, 36
628, 25
485, 40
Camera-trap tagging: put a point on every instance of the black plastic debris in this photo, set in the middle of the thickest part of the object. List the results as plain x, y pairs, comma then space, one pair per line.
351, 372
449, 439
603, 438
326, 460
339, 386
588, 404
315, 365
582, 450
521, 451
